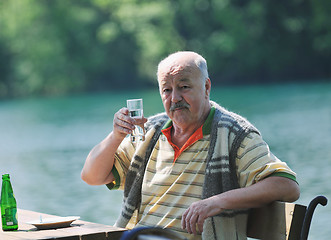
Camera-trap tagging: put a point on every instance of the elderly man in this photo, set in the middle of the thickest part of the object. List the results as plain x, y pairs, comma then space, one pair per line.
200, 167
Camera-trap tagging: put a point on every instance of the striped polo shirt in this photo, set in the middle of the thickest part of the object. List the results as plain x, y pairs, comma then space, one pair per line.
174, 177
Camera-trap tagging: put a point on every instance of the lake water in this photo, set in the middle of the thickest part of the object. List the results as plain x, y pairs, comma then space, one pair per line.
44, 143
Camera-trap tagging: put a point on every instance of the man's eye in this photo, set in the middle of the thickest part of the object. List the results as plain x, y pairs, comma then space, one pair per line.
166, 90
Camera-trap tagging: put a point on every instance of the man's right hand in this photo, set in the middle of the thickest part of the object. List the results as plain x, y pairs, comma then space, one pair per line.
124, 124
100, 161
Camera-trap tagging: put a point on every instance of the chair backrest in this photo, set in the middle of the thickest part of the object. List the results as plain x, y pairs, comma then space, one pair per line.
276, 221
282, 221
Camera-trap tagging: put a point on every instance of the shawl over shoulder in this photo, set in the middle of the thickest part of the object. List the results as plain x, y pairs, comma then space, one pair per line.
227, 132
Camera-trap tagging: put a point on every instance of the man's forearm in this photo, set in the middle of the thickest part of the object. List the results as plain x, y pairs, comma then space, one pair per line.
266, 191
100, 161
257, 195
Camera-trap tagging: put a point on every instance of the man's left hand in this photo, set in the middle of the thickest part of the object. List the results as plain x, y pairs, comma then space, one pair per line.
197, 213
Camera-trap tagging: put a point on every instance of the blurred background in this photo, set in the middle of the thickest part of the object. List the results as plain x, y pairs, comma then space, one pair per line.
67, 66
56, 47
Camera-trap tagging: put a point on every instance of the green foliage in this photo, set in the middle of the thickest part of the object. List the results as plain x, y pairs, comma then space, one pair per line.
57, 47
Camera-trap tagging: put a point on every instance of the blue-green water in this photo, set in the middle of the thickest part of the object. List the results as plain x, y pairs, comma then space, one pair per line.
44, 143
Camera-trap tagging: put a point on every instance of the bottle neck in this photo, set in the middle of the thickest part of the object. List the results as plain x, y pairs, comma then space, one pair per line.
6, 188
5, 177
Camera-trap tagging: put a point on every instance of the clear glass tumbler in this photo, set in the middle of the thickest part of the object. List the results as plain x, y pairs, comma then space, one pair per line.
135, 107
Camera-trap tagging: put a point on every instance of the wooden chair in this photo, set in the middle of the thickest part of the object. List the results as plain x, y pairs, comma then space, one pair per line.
276, 221
282, 221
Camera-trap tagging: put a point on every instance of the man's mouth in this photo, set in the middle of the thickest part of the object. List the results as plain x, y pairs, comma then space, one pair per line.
179, 106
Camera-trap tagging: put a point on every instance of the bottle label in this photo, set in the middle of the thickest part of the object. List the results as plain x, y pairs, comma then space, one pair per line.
11, 216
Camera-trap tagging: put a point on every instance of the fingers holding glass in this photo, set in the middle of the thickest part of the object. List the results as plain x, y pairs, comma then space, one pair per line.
123, 124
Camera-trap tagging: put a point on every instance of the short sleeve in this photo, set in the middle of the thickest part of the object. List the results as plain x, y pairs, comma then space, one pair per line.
255, 162
122, 161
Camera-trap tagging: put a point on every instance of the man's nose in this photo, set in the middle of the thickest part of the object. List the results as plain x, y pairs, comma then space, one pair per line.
176, 96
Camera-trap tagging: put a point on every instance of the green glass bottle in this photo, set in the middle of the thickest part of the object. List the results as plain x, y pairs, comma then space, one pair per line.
8, 205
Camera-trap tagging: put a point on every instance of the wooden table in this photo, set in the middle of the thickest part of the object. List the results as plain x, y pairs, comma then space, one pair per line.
79, 230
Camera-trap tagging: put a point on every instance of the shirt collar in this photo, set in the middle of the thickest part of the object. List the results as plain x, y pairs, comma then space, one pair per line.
206, 127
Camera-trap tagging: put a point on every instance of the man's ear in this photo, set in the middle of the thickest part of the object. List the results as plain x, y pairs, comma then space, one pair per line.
207, 87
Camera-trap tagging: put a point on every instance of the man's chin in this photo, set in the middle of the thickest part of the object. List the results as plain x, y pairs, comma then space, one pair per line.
179, 118
179, 113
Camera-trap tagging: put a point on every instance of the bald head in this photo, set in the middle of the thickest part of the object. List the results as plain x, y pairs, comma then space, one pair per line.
184, 59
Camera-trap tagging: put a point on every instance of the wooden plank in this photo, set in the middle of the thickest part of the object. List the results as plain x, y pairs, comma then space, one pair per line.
111, 231
86, 230
28, 231
298, 214
276, 221
261, 220
79, 230
44, 234
8, 237
82, 231
114, 235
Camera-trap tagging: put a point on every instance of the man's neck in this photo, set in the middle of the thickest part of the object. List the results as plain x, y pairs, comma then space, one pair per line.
180, 134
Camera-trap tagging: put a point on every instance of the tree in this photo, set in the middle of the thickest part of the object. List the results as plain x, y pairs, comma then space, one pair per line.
58, 47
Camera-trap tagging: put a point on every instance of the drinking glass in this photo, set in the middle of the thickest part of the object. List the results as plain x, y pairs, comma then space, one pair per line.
135, 107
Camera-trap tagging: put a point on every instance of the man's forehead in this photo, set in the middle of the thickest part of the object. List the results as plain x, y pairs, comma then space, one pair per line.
166, 81
177, 70
180, 67
176, 75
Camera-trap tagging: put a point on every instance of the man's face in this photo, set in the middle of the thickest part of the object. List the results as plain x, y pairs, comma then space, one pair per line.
184, 95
